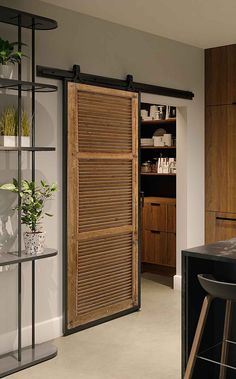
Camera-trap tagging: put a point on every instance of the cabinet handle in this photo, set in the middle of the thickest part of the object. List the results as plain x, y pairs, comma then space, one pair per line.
142, 198
155, 231
226, 218
155, 204
234, 103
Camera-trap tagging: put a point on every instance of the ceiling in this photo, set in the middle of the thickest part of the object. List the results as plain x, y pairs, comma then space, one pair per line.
201, 23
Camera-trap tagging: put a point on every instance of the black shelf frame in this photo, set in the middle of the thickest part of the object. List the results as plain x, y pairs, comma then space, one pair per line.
31, 148
34, 354
13, 84
7, 259
27, 20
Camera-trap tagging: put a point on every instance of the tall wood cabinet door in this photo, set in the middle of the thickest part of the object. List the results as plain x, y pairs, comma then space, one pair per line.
102, 210
220, 75
220, 226
220, 155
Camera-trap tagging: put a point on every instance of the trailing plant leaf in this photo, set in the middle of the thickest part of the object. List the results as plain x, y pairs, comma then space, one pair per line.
33, 199
9, 187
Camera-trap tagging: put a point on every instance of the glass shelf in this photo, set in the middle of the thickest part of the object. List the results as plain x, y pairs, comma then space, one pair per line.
13, 84
13, 258
12, 16
213, 354
9, 363
36, 148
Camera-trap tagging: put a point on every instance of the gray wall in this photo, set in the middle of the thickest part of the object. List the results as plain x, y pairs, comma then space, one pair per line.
107, 49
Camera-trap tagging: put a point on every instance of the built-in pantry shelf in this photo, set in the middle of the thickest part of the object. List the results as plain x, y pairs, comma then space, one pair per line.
156, 174
158, 147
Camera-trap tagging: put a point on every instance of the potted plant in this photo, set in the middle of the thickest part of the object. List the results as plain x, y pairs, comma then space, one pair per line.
9, 128
8, 57
33, 199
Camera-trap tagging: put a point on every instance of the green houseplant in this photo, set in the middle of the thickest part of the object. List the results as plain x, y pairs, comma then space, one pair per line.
8, 57
9, 127
33, 199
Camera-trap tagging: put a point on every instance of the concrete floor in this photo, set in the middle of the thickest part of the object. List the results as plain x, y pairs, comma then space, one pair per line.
143, 345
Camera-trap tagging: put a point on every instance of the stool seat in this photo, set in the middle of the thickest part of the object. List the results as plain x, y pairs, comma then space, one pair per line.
216, 288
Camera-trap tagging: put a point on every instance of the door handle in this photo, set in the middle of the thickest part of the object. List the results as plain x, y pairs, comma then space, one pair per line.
155, 231
142, 198
155, 204
225, 218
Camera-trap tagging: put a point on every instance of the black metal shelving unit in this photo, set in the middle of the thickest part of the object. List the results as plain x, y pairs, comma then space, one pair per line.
33, 354
13, 84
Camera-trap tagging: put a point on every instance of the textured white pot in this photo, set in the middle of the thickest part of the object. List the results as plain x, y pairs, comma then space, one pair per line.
12, 141
34, 242
6, 71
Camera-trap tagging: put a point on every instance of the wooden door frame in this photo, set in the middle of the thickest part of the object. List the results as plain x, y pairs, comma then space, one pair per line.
66, 330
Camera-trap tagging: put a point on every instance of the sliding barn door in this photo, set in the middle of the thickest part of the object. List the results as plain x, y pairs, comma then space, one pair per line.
102, 208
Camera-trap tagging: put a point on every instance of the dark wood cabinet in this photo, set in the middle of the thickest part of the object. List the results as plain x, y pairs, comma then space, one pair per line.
220, 142
159, 226
154, 246
171, 250
220, 226
155, 215
171, 218
220, 75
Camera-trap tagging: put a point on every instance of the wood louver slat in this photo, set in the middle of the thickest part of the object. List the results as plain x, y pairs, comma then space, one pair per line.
102, 203
94, 111
103, 186
99, 267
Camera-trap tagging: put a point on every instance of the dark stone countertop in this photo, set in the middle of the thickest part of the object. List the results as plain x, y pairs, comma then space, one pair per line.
224, 251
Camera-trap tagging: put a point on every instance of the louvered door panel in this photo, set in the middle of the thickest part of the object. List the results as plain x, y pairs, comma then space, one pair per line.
109, 184
102, 203
105, 123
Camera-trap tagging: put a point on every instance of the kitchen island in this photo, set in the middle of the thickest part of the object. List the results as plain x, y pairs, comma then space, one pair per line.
218, 259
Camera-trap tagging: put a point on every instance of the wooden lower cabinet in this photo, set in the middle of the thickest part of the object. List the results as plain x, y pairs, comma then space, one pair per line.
159, 232
220, 226
154, 246
171, 250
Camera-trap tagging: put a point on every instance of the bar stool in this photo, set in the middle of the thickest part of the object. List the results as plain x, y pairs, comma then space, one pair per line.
214, 289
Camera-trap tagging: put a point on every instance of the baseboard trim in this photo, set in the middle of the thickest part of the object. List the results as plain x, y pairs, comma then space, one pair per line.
177, 282
44, 331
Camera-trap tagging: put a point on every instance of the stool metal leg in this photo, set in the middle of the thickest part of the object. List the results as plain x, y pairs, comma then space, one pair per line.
226, 334
198, 336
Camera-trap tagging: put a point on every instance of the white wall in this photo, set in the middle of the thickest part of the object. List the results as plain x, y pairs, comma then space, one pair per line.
107, 49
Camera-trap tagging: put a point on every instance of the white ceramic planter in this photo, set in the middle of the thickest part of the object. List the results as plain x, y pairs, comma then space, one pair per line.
12, 141
34, 242
6, 71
